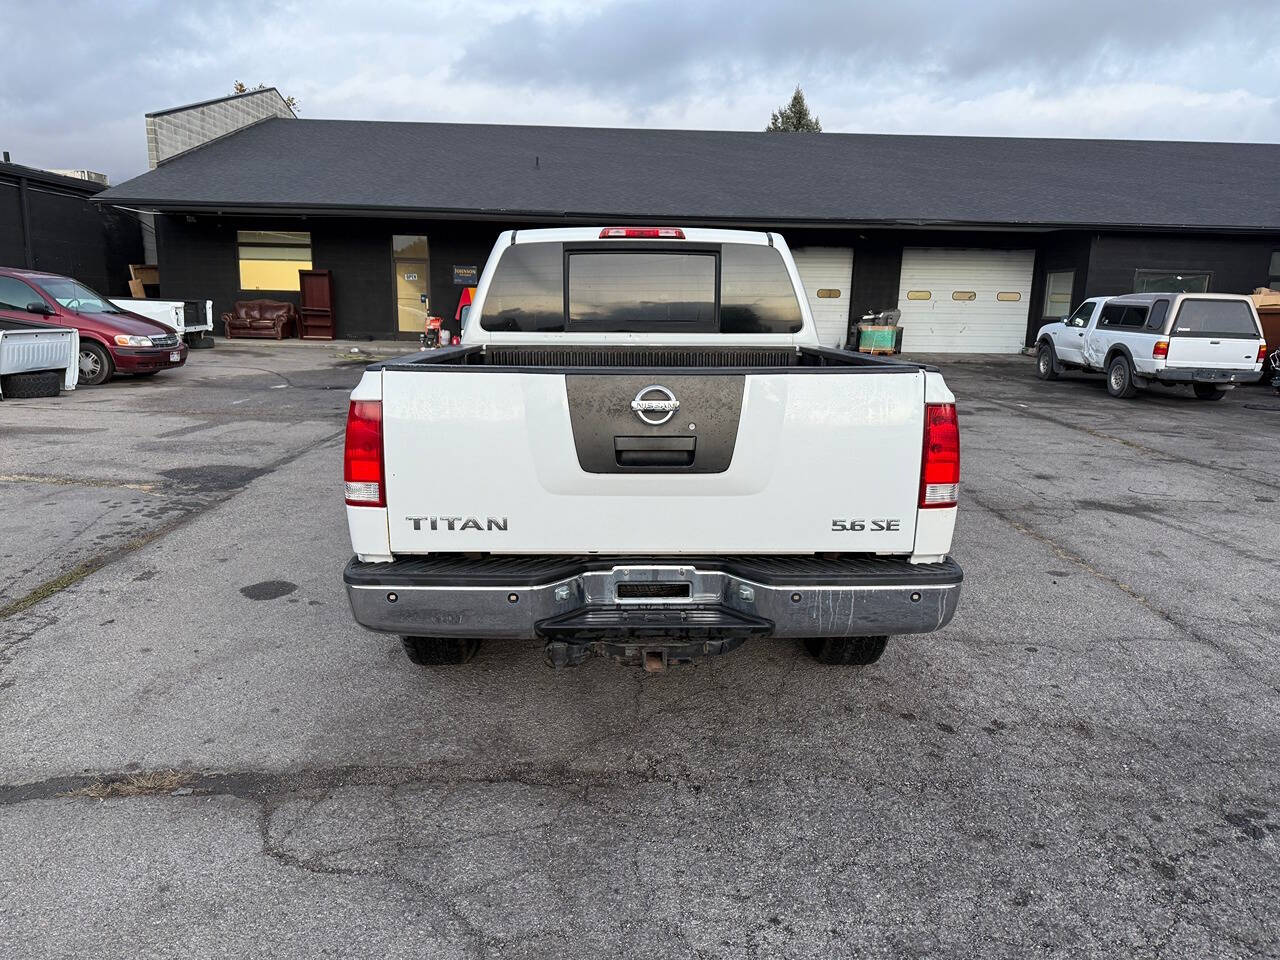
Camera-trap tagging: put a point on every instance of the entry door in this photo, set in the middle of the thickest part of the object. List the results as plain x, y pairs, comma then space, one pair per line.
827, 276
411, 263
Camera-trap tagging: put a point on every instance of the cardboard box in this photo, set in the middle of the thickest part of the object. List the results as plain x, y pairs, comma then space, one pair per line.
145, 273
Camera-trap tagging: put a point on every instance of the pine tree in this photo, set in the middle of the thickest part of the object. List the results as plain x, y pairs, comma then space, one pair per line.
794, 117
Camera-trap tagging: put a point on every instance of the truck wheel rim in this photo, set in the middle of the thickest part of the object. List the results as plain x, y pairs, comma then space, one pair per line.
1117, 377
90, 365
1044, 361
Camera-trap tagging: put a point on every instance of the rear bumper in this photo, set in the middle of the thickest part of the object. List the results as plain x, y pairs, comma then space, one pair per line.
1194, 375
518, 597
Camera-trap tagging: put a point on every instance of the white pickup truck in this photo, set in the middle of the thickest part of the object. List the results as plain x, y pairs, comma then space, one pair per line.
640, 450
192, 319
1211, 341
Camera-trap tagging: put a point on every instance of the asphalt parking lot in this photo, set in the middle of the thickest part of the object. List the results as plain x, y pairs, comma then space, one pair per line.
202, 756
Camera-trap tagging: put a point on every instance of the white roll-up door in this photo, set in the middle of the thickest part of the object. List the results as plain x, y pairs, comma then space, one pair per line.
827, 276
964, 301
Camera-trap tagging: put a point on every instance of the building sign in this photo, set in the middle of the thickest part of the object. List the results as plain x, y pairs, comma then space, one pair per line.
466, 276
410, 277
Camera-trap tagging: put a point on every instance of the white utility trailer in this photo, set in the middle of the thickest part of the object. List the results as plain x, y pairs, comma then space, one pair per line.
37, 359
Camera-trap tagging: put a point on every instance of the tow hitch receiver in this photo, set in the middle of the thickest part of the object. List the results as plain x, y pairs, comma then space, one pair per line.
652, 637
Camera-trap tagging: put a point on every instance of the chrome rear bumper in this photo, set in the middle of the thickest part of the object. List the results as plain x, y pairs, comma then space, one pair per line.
799, 597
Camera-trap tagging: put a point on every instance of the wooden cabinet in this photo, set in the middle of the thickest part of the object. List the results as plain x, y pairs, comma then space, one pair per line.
316, 308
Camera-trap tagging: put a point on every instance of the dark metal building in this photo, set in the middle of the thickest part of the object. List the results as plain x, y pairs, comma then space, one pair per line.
47, 222
977, 240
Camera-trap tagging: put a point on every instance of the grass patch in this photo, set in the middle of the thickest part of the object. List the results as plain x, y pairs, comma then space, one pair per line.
154, 783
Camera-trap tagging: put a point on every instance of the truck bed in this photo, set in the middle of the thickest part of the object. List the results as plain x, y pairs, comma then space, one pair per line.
565, 359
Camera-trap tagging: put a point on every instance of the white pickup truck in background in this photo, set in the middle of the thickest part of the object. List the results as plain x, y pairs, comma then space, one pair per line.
192, 319
1210, 341
641, 451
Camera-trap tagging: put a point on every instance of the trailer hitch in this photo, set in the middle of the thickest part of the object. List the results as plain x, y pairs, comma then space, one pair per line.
649, 636
655, 656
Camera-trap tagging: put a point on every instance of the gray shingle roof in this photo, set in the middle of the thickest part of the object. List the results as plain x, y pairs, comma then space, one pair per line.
711, 176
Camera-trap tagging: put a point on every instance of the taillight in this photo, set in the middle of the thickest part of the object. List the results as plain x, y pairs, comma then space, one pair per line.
1161, 350
940, 464
641, 233
362, 463
1262, 352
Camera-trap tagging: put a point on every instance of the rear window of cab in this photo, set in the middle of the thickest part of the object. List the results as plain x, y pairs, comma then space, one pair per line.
1215, 318
557, 287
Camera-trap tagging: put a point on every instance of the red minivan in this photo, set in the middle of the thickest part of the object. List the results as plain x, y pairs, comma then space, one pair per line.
111, 340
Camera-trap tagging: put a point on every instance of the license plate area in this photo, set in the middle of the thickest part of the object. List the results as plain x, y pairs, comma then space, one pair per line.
175, 356
654, 591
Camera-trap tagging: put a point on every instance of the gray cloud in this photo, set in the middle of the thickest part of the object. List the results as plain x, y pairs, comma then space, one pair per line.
655, 48
74, 92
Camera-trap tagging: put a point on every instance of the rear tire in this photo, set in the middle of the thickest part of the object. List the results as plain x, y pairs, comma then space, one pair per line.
439, 651
846, 651
1207, 391
96, 365
28, 386
1046, 362
1120, 378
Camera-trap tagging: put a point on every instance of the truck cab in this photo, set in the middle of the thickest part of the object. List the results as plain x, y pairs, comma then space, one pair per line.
1211, 342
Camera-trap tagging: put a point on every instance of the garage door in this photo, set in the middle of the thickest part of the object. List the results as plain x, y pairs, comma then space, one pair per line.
964, 301
827, 275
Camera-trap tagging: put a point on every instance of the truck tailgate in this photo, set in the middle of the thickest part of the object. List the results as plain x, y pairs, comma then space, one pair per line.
1220, 353
1214, 334
29, 347
507, 461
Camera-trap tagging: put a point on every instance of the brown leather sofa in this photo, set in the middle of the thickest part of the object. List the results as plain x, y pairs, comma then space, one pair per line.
261, 318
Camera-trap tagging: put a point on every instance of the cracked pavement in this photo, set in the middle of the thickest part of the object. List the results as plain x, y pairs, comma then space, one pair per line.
1084, 763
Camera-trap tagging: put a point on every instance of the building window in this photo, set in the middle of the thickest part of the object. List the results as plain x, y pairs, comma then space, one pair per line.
271, 259
1057, 293
964, 295
1171, 281
918, 294
1274, 272
409, 247
1008, 296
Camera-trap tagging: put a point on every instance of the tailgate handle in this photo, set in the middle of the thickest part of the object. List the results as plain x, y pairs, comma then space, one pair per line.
654, 451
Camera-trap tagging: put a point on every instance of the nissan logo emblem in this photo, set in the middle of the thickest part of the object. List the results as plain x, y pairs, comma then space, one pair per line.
655, 405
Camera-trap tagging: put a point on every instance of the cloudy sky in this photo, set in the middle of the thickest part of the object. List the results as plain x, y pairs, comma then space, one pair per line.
74, 91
